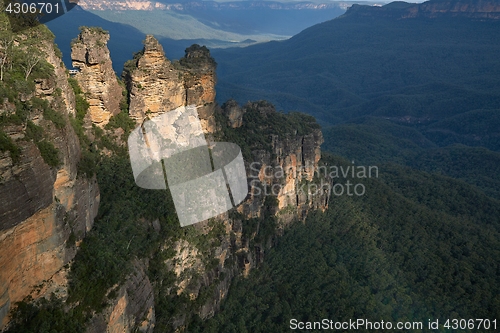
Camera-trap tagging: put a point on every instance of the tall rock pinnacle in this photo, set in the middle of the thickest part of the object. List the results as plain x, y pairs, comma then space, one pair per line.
157, 85
96, 77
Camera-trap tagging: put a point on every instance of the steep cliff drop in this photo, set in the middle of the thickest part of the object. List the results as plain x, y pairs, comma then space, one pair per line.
46, 207
282, 154
194, 266
96, 76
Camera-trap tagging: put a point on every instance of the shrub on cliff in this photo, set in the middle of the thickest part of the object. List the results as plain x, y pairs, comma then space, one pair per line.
197, 56
6, 144
49, 153
43, 316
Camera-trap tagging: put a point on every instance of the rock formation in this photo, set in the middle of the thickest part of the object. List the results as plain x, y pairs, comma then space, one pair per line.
96, 76
291, 161
41, 236
132, 310
157, 85
284, 185
234, 113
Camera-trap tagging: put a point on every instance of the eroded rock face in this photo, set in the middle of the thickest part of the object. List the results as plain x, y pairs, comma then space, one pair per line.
287, 173
279, 179
96, 77
26, 187
69, 204
234, 113
42, 205
132, 310
156, 85
200, 83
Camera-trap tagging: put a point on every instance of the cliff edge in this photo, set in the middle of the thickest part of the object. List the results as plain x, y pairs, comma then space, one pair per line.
47, 207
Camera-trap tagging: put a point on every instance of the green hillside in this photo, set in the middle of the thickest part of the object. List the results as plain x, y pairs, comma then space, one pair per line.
419, 99
415, 247
353, 66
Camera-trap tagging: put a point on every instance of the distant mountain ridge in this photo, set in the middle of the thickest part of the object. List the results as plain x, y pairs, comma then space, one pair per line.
373, 61
188, 5
260, 20
387, 87
477, 9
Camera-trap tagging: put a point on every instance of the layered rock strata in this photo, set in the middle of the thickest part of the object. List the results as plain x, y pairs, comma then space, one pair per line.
45, 209
59, 205
96, 76
156, 85
279, 178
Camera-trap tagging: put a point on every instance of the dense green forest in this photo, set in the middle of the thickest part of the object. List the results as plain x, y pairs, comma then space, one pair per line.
418, 92
471, 152
419, 99
417, 246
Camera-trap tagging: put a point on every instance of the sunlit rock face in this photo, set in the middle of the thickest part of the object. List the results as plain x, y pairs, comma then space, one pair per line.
96, 77
286, 171
132, 310
157, 85
290, 162
47, 206
42, 207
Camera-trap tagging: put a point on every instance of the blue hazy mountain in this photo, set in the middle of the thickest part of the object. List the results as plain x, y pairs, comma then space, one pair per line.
249, 17
208, 23
124, 41
389, 84
370, 61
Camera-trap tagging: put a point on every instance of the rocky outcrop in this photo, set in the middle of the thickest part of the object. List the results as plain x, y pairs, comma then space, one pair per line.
475, 9
157, 85
27, 186
199, 82
286, 169
45, 209
96, 76
281, 156
131, 309
284, 185
234, 113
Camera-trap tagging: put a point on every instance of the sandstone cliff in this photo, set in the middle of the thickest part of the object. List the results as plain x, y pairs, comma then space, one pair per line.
194, 267
157, 85
284, 185
199, 266
45, 206
96, 76
132, 309
281, 156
